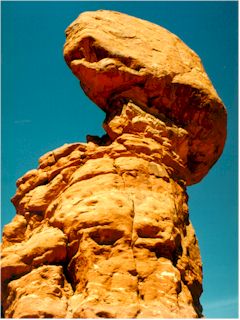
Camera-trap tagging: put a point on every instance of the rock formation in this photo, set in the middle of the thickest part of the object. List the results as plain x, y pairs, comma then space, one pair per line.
102, 228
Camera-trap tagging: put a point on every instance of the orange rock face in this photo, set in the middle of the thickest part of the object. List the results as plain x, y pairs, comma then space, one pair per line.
102, 229
119, 58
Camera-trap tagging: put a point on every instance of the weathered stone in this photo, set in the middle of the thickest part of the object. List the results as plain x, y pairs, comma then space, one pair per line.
42, 293
14, 232
156, 70
46, 245
102, 229
126, 222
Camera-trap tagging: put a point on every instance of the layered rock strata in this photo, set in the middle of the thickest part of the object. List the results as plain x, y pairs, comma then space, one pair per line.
102, 228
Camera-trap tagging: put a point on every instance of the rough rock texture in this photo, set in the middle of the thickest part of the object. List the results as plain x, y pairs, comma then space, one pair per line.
102, 228
118, 57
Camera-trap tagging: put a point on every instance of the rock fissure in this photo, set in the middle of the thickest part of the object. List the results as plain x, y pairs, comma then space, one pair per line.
135, 264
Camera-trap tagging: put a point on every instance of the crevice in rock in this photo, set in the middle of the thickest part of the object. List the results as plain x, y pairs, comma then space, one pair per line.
177, 254
162, 251
104, 314
2, 313
67, 277
106, 236
134, 259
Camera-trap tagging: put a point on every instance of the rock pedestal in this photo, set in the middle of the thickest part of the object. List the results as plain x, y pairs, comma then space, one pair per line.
102, 228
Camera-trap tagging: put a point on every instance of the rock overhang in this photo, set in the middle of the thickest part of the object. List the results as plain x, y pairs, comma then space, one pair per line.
117, 57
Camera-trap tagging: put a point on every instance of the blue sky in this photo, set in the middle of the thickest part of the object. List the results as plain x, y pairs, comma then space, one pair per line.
43, 107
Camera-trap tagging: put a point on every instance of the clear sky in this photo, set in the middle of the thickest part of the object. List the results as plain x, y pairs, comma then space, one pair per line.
43, 107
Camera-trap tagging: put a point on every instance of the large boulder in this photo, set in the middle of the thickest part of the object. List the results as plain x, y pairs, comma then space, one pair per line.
117, 57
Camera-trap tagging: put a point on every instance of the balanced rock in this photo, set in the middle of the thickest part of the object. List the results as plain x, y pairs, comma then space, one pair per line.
102, 228
118, 57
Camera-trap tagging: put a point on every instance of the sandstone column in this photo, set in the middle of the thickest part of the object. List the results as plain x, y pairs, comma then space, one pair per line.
102, 229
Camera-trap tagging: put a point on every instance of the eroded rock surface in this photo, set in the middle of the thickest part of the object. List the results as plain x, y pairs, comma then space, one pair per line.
118, 57
115, 218
102, 228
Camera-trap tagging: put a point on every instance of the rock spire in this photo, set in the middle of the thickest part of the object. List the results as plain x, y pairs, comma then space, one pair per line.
102, 228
